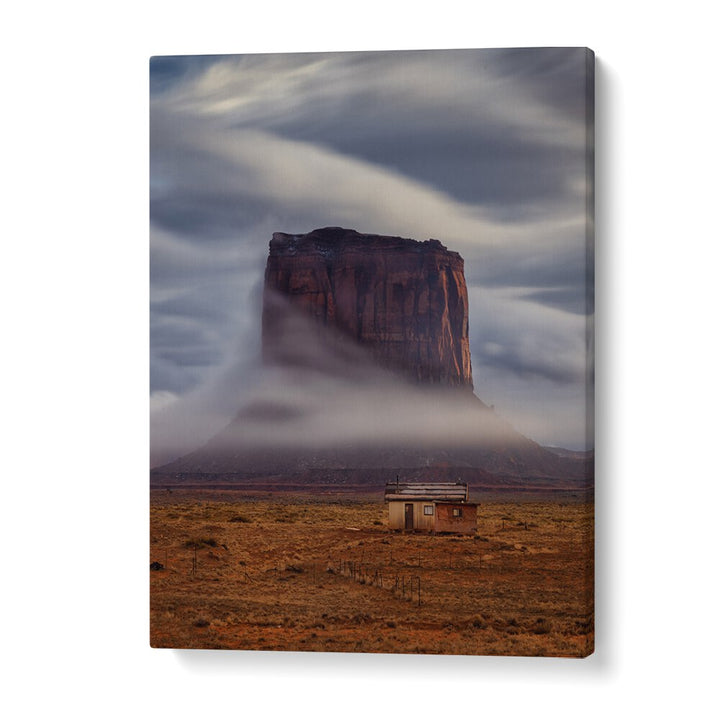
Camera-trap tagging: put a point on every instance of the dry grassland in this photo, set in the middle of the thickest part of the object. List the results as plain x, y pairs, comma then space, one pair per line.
280, 573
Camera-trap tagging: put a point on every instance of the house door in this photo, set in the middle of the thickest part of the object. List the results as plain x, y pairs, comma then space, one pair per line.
409, 516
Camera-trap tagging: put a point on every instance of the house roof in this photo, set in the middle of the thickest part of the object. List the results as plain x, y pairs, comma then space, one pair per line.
436, 491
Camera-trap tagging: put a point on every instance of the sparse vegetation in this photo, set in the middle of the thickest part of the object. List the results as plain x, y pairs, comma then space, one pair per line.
197, 543
278, 582
239, 519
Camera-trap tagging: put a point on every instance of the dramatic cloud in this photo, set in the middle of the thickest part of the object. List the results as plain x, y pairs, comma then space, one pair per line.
327, 392
484, 150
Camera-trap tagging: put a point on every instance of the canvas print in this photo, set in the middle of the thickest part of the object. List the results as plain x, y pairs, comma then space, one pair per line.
371, 371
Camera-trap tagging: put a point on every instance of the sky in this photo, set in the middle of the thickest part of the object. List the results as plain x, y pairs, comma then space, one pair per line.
489, 151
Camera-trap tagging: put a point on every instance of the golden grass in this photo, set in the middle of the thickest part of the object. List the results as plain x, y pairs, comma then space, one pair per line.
278, 573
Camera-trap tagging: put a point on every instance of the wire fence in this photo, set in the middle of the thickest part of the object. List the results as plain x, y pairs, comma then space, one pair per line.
404, 585
407, 587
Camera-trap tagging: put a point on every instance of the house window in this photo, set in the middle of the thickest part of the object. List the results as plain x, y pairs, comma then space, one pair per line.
427, 509
457, 512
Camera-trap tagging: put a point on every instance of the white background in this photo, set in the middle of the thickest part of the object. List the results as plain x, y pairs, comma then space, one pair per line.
74, 626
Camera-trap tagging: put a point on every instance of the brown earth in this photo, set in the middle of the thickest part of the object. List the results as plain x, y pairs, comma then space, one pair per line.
281, 572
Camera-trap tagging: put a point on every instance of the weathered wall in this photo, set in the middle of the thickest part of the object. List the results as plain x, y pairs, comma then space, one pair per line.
396, 515
404, 300
446, 522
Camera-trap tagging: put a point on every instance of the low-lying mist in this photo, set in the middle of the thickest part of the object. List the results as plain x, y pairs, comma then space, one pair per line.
317, 389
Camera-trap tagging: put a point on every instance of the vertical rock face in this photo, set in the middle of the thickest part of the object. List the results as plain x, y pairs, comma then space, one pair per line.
405, 301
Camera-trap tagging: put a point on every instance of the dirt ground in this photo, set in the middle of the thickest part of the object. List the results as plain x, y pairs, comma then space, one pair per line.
293, 573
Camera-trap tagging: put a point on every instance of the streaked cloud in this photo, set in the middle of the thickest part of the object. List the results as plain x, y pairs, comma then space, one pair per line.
483, 150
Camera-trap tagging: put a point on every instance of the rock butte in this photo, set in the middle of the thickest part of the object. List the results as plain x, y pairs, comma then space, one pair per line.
406, 301
403, 302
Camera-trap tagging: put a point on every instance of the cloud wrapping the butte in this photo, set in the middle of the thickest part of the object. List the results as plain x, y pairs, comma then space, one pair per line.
483, 150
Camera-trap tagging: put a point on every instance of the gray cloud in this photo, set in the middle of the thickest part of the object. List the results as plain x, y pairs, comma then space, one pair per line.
523, 338
481, 149
325, 392
571, 299
497, 127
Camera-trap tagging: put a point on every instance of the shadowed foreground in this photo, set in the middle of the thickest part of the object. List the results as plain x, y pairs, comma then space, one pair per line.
273, 572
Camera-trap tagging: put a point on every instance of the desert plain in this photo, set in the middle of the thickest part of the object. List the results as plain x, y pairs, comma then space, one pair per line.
283, 571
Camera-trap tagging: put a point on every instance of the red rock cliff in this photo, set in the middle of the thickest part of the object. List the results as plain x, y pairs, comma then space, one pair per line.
406, 301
